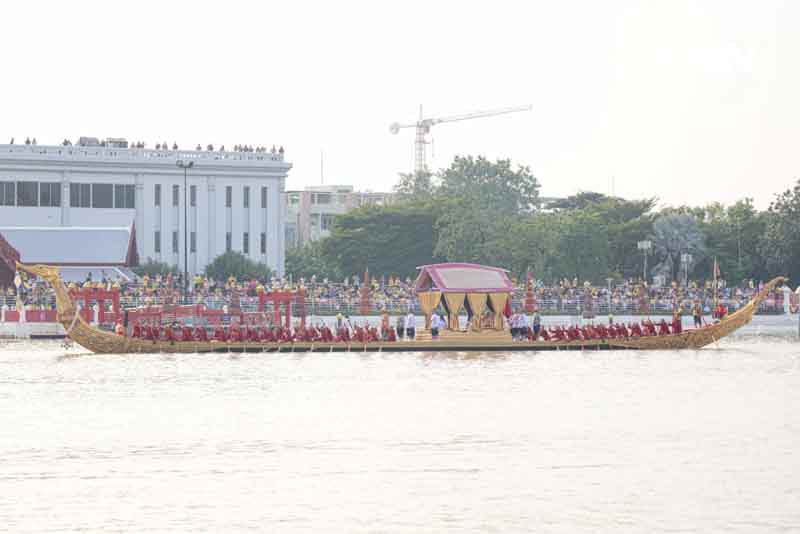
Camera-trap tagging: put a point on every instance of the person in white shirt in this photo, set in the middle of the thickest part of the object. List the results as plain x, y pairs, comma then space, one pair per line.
437, 323
410, 323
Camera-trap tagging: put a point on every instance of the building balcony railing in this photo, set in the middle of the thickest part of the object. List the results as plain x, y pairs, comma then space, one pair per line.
96, 153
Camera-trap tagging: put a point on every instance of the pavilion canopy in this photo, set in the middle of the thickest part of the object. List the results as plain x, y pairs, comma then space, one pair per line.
74, 246
462, 278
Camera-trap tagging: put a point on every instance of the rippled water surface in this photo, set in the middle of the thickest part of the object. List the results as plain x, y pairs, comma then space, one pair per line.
689, 441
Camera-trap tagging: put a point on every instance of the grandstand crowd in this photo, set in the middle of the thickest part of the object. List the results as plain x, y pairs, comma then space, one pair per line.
396, 294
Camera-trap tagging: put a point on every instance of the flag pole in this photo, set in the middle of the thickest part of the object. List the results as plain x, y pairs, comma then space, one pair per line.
715, 282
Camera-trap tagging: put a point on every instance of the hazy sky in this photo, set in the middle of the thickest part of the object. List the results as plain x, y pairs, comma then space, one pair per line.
689, 101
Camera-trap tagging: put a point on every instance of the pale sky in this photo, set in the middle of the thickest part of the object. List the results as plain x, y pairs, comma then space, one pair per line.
690, 101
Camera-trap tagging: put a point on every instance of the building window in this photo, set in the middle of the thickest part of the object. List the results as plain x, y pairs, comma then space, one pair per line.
174, 242
246, 196
50, 194
246, 243
157, 193
175, 193
321, 198
102, 196
263, 198
124, 196
294, 199
27, 193
157, 242
227, 241
326, 221
193, 195
80, 195
192, 241
263, 242
8, 193
228, 196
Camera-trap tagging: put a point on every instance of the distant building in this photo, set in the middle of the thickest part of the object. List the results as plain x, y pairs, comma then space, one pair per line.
235, 198
310, 212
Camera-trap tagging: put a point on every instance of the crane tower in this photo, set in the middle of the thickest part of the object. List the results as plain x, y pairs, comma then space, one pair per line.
423, 128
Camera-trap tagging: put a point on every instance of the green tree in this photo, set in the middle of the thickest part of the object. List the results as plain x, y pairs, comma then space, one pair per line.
494, 185
733, 235
309, 260
415, 186
582, 248
626, 222
780, 246
233, 263
478, 200
393, 239
674, 235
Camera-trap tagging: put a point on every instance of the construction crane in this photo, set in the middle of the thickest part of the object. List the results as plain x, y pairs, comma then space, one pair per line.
423, 127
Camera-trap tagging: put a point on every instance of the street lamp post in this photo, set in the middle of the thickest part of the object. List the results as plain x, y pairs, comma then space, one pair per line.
185, 165
644, 246
686, 259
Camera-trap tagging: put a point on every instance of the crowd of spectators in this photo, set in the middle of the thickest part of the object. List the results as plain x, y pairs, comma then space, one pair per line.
166, 146
396, 294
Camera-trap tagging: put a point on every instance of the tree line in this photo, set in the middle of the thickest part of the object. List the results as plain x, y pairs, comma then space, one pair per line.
490, 212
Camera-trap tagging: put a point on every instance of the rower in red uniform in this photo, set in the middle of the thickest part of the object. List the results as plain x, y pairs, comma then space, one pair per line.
200, 334
636, 330
622, 331
137, 330
544, 334
186, 334
219, 335
325, 334
373, 335
234, 333
663, 328
148, 332
650, 328
611, 331
169, 335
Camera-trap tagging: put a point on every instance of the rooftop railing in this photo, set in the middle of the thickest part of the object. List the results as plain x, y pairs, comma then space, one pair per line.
136, 154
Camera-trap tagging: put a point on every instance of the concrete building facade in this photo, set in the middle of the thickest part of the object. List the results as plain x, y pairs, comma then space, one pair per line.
235, 199
311, 211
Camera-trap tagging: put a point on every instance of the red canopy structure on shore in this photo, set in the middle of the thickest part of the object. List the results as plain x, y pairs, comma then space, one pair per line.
464, 285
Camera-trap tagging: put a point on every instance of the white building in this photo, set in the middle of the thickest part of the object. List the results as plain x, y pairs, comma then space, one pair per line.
235, 199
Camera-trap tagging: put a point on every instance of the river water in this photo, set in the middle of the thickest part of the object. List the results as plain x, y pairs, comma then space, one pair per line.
688, 441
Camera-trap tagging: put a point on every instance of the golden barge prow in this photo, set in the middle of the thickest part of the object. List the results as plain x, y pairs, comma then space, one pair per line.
102, 342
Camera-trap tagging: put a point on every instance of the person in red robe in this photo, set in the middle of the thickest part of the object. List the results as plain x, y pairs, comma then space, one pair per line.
169, 334
148, 332
200, 334
219, 335
359, 335
186, 334
137, 330
602, 331
544, 334
663, 329
650, 328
